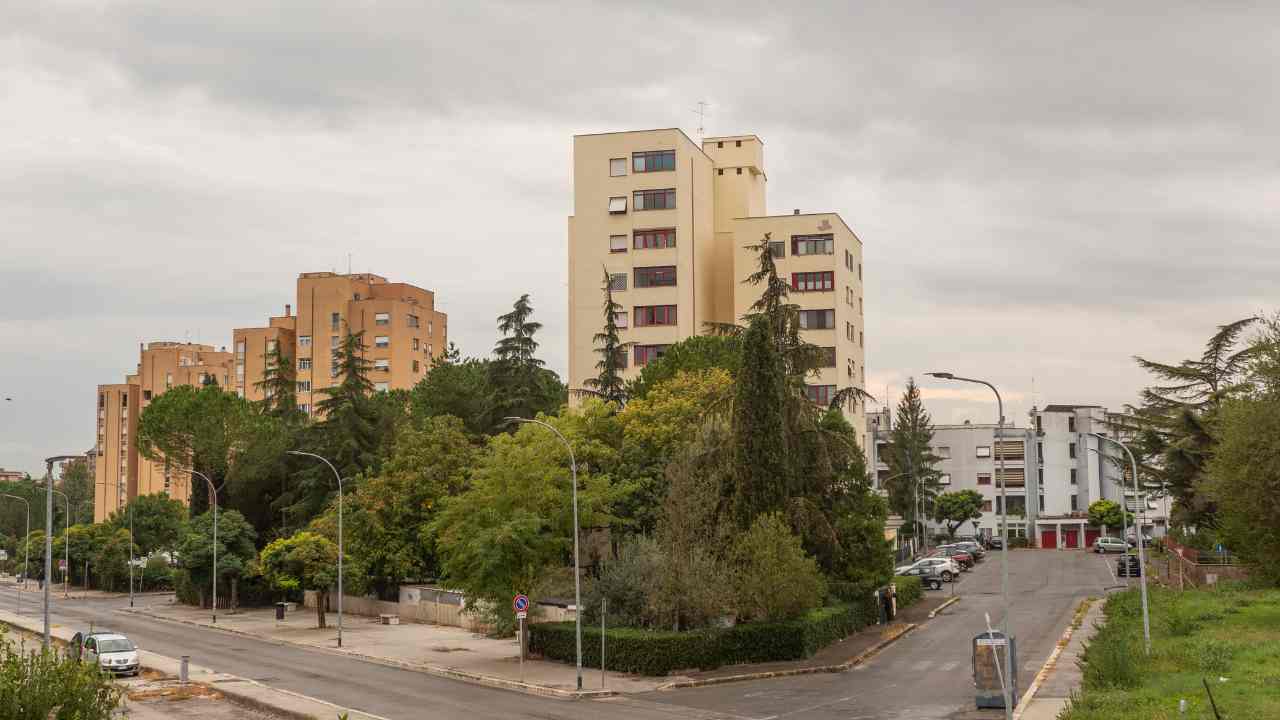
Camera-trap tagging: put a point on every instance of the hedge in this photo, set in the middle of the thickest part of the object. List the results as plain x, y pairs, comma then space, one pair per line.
649, 652
910, 589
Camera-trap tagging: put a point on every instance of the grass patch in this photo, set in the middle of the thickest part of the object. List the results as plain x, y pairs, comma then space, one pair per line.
1231, 633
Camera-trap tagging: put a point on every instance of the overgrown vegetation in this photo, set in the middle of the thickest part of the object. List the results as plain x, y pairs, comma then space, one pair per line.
37, 683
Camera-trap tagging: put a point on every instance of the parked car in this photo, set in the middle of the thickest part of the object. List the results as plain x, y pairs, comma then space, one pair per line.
995, 542
977, 551
1128, 566
1133, 540
928, 574
965, 560
113, 652
947, 568
1110, 544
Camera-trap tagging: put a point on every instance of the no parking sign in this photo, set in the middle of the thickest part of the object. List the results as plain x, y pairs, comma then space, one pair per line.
521, 605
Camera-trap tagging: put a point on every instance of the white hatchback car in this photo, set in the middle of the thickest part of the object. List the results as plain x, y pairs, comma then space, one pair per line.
946, 568
113, 652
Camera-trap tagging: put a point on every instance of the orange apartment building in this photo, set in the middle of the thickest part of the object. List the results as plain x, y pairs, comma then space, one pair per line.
403, 335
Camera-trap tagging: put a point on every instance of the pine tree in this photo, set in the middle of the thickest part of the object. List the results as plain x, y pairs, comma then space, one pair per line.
612, 351
350, 425
521, 387
910, 454
517, 345
759, 428
278, 384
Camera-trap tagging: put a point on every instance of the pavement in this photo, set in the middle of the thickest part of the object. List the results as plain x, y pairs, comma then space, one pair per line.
1049, 695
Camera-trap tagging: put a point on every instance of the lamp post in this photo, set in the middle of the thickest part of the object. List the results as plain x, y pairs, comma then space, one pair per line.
1137, 532
1004, 534
213, 490
48, 536
1124, 520
577, 575
337, 477
26, 559
66, 546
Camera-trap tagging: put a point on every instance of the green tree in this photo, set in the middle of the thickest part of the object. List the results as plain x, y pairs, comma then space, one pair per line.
1108, 514
350, 426
699, 352
236, 551
110, 561
520, 386
957, 508
159, 522
53, 684
305, 561
910, 455
84, 544
278, 384
759, 425
864, 559
1244, 482
459, 388
608, 384
77, 483
774, 579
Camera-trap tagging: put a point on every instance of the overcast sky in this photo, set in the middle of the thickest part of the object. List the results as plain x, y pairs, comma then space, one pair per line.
1042, 192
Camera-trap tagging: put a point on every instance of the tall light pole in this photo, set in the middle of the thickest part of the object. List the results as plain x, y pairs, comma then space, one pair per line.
66, 546
26, 559
1004, 535
1137, 531
213, 490
48, 536
577, 574
1124, 519
337, 477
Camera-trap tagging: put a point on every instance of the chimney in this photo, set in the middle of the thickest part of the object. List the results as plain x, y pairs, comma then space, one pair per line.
288, 310
796, 211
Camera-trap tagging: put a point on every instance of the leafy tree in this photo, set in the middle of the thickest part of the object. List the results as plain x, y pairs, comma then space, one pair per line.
774, 578
159, 522
110, 561
1108, 514
77, 483
910, 455
84, 544
957, 508
863, 558
520, 386
699, 352
306, 561
1244, 482
236, 551
459, 388
517, 345
278, 384
608, 384
759, 420
53, 684
515, 520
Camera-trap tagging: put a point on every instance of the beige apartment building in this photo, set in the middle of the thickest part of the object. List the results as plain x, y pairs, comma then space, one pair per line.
254, 346
668, 220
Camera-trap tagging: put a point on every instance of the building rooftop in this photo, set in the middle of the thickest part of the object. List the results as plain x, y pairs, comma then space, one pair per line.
1067, 408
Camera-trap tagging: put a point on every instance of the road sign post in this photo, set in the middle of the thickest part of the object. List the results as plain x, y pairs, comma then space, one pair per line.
520, 603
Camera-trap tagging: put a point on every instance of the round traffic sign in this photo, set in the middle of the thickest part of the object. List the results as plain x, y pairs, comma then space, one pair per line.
520, 603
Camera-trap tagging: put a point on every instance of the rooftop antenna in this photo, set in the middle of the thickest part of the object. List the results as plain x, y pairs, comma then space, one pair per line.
702, 118
348, 263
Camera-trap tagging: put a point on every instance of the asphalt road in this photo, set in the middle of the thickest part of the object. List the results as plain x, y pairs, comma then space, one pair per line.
924, 676
927, 675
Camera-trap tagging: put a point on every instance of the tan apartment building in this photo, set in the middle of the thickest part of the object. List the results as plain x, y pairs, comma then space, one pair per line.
254, 346
668, 219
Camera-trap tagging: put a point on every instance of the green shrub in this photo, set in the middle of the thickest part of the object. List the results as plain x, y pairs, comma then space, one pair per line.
910, 590
774, 579
1110, 661
649, 652
1215, 655
1180, 623
36, 683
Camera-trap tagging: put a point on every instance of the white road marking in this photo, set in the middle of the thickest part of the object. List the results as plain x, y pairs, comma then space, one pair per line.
807, 709
948, 667
921, 666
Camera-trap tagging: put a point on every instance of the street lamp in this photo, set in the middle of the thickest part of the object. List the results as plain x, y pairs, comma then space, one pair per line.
66, 545
1137, 532
48, 536
577, 573
26, 559
1004, 534
213, 490
1124, 519
338, 477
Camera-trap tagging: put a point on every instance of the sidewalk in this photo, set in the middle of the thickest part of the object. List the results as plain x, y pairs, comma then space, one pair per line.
1062, 673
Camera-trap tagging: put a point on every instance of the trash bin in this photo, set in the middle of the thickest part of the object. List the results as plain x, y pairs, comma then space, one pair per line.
990, 666
280, 610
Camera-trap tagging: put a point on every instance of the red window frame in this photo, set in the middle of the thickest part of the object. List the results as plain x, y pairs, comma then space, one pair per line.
645, 353
655, 276
647, 199
647, 315
820, 394
654, 239
821, 281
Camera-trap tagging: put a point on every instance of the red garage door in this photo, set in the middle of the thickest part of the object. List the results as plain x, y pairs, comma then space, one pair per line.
1071, 538
1090, 536
1048, 539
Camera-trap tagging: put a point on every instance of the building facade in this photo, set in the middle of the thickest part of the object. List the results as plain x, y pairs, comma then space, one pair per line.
666, 220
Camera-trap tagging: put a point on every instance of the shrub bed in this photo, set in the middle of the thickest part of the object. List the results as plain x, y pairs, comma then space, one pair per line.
910, 590
650, 652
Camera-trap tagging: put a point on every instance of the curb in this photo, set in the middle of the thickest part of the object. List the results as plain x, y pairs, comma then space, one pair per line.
860, 658
436, 670
955, 599
1082, 609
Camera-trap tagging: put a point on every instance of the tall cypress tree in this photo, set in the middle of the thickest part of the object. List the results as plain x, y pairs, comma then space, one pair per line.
517, 345
350, 424
278, 384
521, 387
910, 454
759, 427
608, 384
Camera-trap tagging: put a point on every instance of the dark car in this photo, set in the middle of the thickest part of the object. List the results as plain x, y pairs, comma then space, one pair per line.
977, 551
963, 558
995, 542
1128, 566
928, 574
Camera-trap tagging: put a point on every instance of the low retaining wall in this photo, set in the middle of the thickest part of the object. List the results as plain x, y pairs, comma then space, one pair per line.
440, 610
1179, 572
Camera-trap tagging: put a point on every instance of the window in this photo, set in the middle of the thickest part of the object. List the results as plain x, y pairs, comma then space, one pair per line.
239, 349
719, 171
662, 275
617, 206
102, 400
304, 386
652, 239
306, 409
778, 249
646, 353
1042, 503
622, 359
861, 341
653, 161
859, 271
944, 479
382, 318
617, 282
817, 319
431, 327
654, 199
617, 243
146, 394
304, 341
1040, 476
1075, 503
1071, 423
1074, 479
334, 319
333, 342
413, 321
382, 341
416, 367
271, 346
168, 382
1039, 424
655, 315
304, 363
617, 167
984, 478
1040, 450
812, 245
416, 344
382, 365
1071, 450
620, 319
820, 394
983, 451
943, 452
813, 281
382, 386
124, 403
986, 506
827, 357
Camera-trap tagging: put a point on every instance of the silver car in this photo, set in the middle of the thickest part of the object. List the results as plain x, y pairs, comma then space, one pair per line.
113, 652
1110, 544
946, 568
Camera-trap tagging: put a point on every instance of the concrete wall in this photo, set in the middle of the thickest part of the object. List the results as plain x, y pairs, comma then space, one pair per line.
430, 608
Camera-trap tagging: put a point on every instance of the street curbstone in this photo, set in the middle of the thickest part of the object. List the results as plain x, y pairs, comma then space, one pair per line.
944, 606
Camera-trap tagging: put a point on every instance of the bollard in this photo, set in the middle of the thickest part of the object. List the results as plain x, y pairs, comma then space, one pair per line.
182, 669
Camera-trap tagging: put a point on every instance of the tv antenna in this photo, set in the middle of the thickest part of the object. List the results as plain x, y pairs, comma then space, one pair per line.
702, 117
